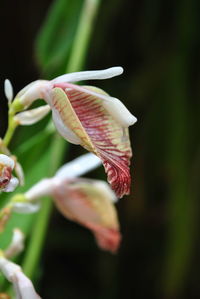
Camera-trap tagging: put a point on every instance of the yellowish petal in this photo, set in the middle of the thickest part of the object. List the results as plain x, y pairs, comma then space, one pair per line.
85, 202
98, 131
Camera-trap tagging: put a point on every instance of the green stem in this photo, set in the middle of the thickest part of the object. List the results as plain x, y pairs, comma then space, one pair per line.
83, 34
78, 53
13, 107
32, 257
11, 129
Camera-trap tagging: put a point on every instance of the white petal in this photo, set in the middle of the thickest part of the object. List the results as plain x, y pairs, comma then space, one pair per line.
42, 188
45, 187
16, 245
22, 285
8, 268
25, 208
23, 90
32, 116
8, 90
63, 129
33, 91
20, 173
7, 161
78, 166
12, 185
89, 75
105, 188
119, 112
113, 105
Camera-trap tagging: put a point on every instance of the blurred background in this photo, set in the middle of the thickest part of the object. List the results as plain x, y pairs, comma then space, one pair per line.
158, 44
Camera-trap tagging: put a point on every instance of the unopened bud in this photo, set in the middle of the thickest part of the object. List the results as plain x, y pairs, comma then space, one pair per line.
8, 89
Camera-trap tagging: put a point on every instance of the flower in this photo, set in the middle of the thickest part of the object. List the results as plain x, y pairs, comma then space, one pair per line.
7, 182
22, 285
90, 203
88, 116
17, 166
87, 202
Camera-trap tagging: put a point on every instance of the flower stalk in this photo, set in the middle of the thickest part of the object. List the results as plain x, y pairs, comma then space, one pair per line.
13, 108
83, 34
33, 254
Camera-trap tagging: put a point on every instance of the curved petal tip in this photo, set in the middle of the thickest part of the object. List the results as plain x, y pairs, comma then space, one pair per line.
108, 239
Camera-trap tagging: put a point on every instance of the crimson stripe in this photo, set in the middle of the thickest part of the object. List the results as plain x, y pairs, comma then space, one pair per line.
96, 122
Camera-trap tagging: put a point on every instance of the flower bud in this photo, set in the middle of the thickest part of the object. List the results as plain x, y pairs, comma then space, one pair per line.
8, 89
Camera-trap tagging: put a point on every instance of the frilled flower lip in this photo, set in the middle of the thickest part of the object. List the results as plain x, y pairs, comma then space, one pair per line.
95, 128
87, 202
88, 116
90, 204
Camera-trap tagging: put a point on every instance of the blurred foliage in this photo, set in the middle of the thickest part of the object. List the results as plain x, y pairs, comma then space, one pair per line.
157, 43
56, 36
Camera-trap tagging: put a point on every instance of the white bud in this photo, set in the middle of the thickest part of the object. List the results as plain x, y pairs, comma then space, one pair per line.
8, 90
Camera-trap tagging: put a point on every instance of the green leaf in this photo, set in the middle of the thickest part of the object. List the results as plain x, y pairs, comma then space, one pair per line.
56, 36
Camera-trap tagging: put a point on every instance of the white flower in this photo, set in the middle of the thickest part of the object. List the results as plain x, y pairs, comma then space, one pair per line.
22, 285
8, 183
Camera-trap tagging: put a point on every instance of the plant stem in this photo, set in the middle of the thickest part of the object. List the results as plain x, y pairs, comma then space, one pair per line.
78, 54
11, 129
83, 34
32, 257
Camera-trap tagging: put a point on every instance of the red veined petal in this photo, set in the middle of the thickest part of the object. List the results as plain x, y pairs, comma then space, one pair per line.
99, 131
83, 201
